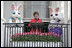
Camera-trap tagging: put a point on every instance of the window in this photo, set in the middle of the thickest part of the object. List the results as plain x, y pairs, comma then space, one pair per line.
31, 6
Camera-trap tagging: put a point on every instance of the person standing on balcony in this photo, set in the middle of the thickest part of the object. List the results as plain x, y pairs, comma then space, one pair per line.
35, 20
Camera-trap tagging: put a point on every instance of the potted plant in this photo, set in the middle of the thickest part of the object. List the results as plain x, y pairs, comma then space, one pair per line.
50, 40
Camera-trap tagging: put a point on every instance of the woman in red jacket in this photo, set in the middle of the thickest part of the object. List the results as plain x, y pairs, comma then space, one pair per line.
35, 20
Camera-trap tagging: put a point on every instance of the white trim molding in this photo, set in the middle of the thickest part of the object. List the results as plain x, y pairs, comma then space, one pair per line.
2, 9
69, 11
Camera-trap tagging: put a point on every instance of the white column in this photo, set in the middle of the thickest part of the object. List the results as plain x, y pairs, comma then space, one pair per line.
69, 21
2, 9
66, 11
2, 13
69, 10
66, 21
2, 30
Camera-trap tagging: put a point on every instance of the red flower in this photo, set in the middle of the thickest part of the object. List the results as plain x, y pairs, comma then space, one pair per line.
45, 33
12, 36
36, 33
48, 33
19, 34
16, 34
55, 34
40, 34
51, 33
58, 35
25, 33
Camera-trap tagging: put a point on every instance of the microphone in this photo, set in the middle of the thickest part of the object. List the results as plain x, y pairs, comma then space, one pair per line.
36, 20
